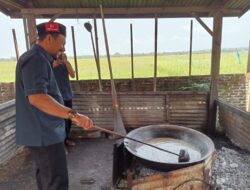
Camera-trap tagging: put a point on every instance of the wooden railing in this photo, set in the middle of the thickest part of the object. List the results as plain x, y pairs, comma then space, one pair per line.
236, 123
145, 108
137, 109
7, 130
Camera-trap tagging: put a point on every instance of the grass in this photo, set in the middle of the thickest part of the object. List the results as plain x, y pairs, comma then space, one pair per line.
168, 65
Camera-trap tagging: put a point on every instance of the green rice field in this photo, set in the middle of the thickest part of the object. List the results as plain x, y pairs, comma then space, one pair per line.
168, 65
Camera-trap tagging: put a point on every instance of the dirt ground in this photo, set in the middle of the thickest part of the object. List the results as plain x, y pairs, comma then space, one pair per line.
90, 167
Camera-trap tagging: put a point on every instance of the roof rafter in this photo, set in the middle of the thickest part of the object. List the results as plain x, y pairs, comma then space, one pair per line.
125, 8
4, 10
245, 9
13, 4
126, 12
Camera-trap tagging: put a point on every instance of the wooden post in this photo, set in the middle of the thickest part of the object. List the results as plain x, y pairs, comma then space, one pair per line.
155, 54
74, 49
248, 71
97, 58
190, 47
248, 62
215, 68
31, 23
132, 57
26, 33
15, 43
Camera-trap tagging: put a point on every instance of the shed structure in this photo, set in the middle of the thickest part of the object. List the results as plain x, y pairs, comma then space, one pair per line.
29, 10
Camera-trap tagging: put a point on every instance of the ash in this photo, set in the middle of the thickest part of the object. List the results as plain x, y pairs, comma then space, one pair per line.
148, 172
230, 171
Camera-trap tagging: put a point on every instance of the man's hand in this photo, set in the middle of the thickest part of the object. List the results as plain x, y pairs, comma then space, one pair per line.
56, 63
64, 58
82, 121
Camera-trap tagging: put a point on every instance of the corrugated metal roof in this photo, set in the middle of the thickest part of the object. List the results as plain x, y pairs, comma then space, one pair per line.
124, 8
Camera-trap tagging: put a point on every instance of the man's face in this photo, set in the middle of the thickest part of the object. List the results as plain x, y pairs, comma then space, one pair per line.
55, 44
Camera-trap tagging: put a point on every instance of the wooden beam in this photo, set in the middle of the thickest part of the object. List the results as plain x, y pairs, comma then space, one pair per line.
97, 58
155, 53
234, 109
15, 44
12, 4
245, 9
25, 27
132, 57
203, 24
87, 11
191, 48
216, 6
248, 61
215, 68
127, 12
54, 17
32, 35
4, 10
74, 50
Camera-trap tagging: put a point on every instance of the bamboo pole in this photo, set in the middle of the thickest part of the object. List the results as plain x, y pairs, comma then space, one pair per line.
155, 53
15, 43
97, 58
190, 48
74, 49
132, 57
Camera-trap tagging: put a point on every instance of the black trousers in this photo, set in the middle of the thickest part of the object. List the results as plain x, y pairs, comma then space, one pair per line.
51, 163
67, 103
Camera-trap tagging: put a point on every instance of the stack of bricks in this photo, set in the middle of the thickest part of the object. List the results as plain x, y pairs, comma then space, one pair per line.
233, 88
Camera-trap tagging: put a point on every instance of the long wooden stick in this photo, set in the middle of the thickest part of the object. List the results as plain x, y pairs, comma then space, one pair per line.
119, 126
15, 43
74, 49
132, 57
190, 47
155, 53
248, 61
96, 61
97, 56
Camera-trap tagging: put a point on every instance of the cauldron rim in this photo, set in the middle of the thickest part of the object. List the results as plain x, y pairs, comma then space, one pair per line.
170, 166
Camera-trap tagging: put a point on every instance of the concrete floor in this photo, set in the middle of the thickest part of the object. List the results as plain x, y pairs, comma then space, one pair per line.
90, 167
89, 164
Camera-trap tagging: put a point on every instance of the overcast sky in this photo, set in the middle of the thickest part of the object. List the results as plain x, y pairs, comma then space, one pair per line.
173, 35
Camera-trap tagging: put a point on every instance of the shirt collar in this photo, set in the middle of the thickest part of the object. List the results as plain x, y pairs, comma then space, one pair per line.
45, 53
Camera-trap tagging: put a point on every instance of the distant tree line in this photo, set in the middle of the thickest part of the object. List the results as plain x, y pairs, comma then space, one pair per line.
117, 54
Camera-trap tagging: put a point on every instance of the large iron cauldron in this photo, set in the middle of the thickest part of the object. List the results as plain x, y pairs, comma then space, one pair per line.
199, 142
